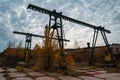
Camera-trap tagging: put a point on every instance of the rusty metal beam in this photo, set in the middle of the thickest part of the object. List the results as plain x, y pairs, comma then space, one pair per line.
49, 12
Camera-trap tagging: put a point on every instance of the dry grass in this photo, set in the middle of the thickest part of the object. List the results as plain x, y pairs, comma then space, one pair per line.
20, 69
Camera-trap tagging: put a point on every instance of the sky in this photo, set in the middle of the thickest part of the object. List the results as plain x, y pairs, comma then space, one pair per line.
14, 16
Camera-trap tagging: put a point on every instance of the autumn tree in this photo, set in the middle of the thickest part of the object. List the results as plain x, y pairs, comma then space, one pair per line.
45, 52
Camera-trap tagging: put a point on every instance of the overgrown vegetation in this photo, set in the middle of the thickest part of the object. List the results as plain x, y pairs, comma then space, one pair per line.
46, 55
11, 55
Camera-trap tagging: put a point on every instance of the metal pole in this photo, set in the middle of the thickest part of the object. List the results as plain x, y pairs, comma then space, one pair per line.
108, 46
93, 46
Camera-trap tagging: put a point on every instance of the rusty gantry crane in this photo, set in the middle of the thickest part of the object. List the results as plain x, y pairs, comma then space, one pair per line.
28, 43
57, 19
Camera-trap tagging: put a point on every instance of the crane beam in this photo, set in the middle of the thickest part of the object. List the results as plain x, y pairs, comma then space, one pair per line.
49, 12
23, 33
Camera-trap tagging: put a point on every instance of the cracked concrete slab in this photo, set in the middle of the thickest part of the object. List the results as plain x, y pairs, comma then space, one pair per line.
68, 78
107, 75
93, 73
2, 70
89, 78
45, 78
23, 78
28, 70
102, 72
2, 74
3, 78
16, 74
113, 78
35, 74
11, 70
80, 70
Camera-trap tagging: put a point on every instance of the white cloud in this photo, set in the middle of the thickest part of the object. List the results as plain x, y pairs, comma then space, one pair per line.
15, 16
48, 1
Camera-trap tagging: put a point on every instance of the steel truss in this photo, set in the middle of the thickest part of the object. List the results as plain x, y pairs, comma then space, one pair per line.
57, 25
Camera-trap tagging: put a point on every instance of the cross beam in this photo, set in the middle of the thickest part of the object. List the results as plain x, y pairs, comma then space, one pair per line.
35, 35
49, 12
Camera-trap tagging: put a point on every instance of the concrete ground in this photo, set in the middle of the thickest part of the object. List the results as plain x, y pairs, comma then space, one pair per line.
86, 73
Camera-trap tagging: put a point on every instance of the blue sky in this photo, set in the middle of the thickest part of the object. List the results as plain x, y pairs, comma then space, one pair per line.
15, 16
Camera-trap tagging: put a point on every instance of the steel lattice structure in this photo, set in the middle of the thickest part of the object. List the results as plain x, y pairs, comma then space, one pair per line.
60, 16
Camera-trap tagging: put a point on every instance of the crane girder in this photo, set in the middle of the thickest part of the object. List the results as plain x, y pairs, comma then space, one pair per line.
23, 33
59, 15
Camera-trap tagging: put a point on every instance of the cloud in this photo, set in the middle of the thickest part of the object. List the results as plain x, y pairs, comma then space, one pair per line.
15, 16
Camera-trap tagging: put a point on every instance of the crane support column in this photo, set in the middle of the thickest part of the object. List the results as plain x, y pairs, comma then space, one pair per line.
95, 35
57, 26
96, 31
27, 47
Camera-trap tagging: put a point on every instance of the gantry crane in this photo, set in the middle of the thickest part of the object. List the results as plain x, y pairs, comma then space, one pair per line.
28, 42
57, 19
